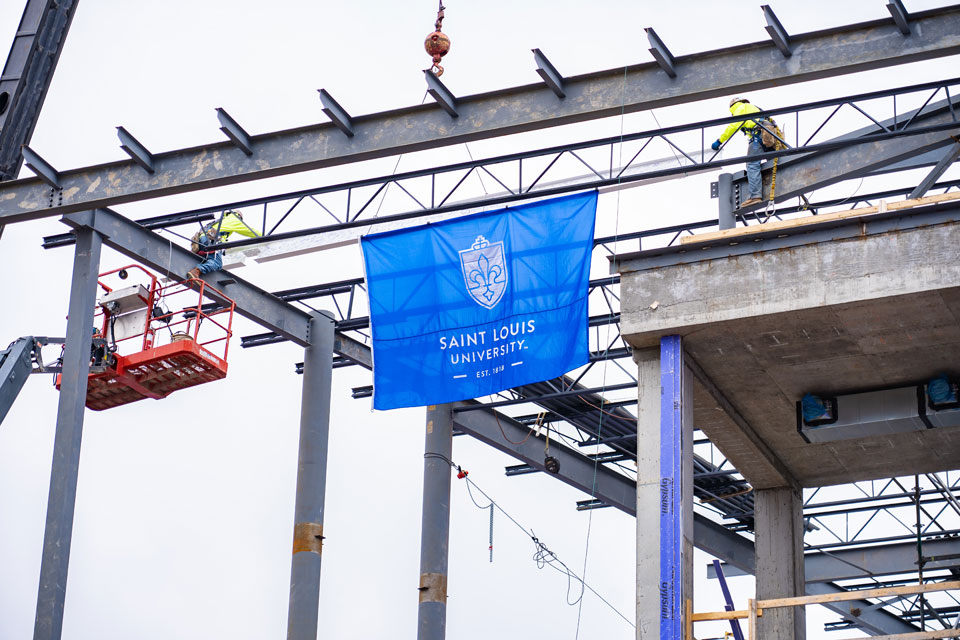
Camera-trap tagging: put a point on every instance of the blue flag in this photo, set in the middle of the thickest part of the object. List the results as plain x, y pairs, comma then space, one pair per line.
467, 307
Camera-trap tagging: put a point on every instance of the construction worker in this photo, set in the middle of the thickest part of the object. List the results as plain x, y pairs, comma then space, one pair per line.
219, 230
742, 107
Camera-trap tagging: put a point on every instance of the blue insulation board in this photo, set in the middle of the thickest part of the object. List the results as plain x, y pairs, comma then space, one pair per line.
671, 495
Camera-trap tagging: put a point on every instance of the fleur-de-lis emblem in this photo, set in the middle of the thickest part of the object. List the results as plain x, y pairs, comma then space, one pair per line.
484, 271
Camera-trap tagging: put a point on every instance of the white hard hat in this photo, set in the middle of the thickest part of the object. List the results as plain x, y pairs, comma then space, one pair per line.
736, 100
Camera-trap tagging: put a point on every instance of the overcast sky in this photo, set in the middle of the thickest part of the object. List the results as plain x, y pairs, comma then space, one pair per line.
185, 506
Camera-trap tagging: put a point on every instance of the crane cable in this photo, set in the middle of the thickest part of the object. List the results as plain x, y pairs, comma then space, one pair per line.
543, 556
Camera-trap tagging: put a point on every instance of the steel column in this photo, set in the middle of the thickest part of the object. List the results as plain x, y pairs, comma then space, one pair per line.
435, 530
311, 480
58, 530
726, 218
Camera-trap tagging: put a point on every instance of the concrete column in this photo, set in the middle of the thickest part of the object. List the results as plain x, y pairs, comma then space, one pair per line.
58, 531
664, 491
311, 480
779, 560
435, 530
727, 218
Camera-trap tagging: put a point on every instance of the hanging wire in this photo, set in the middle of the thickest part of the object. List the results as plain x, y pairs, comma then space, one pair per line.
543, 556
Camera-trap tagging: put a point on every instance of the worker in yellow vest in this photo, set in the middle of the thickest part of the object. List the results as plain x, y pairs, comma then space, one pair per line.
213, 232
750, 128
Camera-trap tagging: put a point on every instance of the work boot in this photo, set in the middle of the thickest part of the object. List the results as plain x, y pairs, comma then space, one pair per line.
750, 202
193, 273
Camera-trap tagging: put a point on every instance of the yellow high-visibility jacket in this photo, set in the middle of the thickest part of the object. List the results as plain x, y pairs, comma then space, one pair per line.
740, 109
230, 223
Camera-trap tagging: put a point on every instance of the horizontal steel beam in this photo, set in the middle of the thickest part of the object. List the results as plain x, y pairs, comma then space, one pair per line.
871, 562
874, 621
173, 261
821, 54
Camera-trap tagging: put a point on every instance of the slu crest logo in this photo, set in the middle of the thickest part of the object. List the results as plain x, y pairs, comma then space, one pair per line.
484, 271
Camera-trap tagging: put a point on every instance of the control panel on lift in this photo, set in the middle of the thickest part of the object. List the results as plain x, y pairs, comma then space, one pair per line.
151, 339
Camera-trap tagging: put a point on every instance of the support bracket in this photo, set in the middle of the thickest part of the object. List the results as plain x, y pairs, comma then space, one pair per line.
135, 150
900, 16
777, 33
336, 113
549, 73
441, 94
660, 52
236, 133
41, 167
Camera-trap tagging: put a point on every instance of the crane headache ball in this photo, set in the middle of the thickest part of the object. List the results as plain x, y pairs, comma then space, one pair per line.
437, 43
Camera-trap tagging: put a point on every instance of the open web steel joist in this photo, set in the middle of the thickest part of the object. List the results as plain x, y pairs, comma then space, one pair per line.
821, 54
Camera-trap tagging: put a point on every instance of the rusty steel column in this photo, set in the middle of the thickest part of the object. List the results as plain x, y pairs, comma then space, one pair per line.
435, 530
58, 531
311, 480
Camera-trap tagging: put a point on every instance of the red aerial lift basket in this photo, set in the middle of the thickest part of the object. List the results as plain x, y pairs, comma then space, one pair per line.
151, 340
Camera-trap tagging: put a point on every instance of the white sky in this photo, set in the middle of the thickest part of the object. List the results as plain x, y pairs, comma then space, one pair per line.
183, 520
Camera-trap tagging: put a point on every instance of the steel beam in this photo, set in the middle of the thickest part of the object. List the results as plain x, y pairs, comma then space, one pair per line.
27, 74
435, 529
58, 531
871, 620
549, 73
900, 16
135, 149
870, 562
777, 33
41, 167
808, 172
837, 51
953, 152
661, 54
337, 114
173, 261
311, 481
441, 94
236, 134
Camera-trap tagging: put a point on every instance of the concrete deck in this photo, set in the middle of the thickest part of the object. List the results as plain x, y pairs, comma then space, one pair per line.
840, 307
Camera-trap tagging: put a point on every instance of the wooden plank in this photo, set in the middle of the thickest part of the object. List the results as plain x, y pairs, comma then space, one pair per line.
688, 620
752, 620
919, 635
707, 616
783, 225
861, 594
